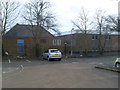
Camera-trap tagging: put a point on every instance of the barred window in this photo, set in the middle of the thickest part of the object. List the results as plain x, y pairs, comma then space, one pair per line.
94, 37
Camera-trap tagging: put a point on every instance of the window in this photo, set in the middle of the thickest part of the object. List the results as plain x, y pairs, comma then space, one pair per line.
20, 46
94, 37
56, 42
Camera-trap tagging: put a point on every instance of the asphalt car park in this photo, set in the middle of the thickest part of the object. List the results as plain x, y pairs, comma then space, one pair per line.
67, 73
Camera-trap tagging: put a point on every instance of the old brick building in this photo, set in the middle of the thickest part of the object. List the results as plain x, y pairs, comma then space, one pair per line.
20, 40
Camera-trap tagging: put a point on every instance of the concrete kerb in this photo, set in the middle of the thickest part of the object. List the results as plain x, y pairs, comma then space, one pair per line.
108, 68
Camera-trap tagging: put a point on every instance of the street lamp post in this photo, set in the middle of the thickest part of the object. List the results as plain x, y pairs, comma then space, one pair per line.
71, 42
65, 49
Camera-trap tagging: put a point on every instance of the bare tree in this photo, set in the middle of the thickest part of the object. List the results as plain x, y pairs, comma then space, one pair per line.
100, 22
10, 13
82, 23
38, 14
0, 29
112, 21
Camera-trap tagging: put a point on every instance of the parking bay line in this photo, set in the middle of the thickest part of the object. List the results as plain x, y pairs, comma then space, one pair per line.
75, 62
22, 68
28, 60
9, 61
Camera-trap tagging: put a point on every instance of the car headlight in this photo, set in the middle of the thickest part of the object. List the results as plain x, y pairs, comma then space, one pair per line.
50, 55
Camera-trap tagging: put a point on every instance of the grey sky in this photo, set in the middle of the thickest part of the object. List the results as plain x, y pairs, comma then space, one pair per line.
67, 10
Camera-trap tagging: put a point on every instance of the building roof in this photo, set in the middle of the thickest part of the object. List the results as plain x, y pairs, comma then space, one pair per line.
25, 31
88, 32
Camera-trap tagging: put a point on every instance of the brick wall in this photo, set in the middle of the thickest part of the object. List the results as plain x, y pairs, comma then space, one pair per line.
78, 44
11, 46
115, 42
82, 42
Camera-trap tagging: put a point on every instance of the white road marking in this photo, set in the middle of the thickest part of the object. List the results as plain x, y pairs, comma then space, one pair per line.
3, 72
28, 60
101, 64
75, 62
22, 68
9, 61
17, 68
94, 63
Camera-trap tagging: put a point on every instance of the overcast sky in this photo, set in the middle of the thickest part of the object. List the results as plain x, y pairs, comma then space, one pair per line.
67, 10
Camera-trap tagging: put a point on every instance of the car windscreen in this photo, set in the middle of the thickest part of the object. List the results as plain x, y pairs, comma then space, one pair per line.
55, 51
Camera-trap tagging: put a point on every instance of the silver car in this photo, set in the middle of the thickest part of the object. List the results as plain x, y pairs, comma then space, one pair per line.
52, 54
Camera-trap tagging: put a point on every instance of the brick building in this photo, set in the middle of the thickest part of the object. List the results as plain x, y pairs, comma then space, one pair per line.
78, 42
20, 40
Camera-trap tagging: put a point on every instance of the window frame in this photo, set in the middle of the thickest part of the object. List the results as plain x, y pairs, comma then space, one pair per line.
56, 42
20, 44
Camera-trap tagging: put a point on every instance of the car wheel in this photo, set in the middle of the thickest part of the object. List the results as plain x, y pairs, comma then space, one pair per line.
48, 58
117, 65
59, 59
43, 57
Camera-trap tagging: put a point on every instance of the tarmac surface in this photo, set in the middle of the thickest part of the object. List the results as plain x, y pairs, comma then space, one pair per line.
68, 73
